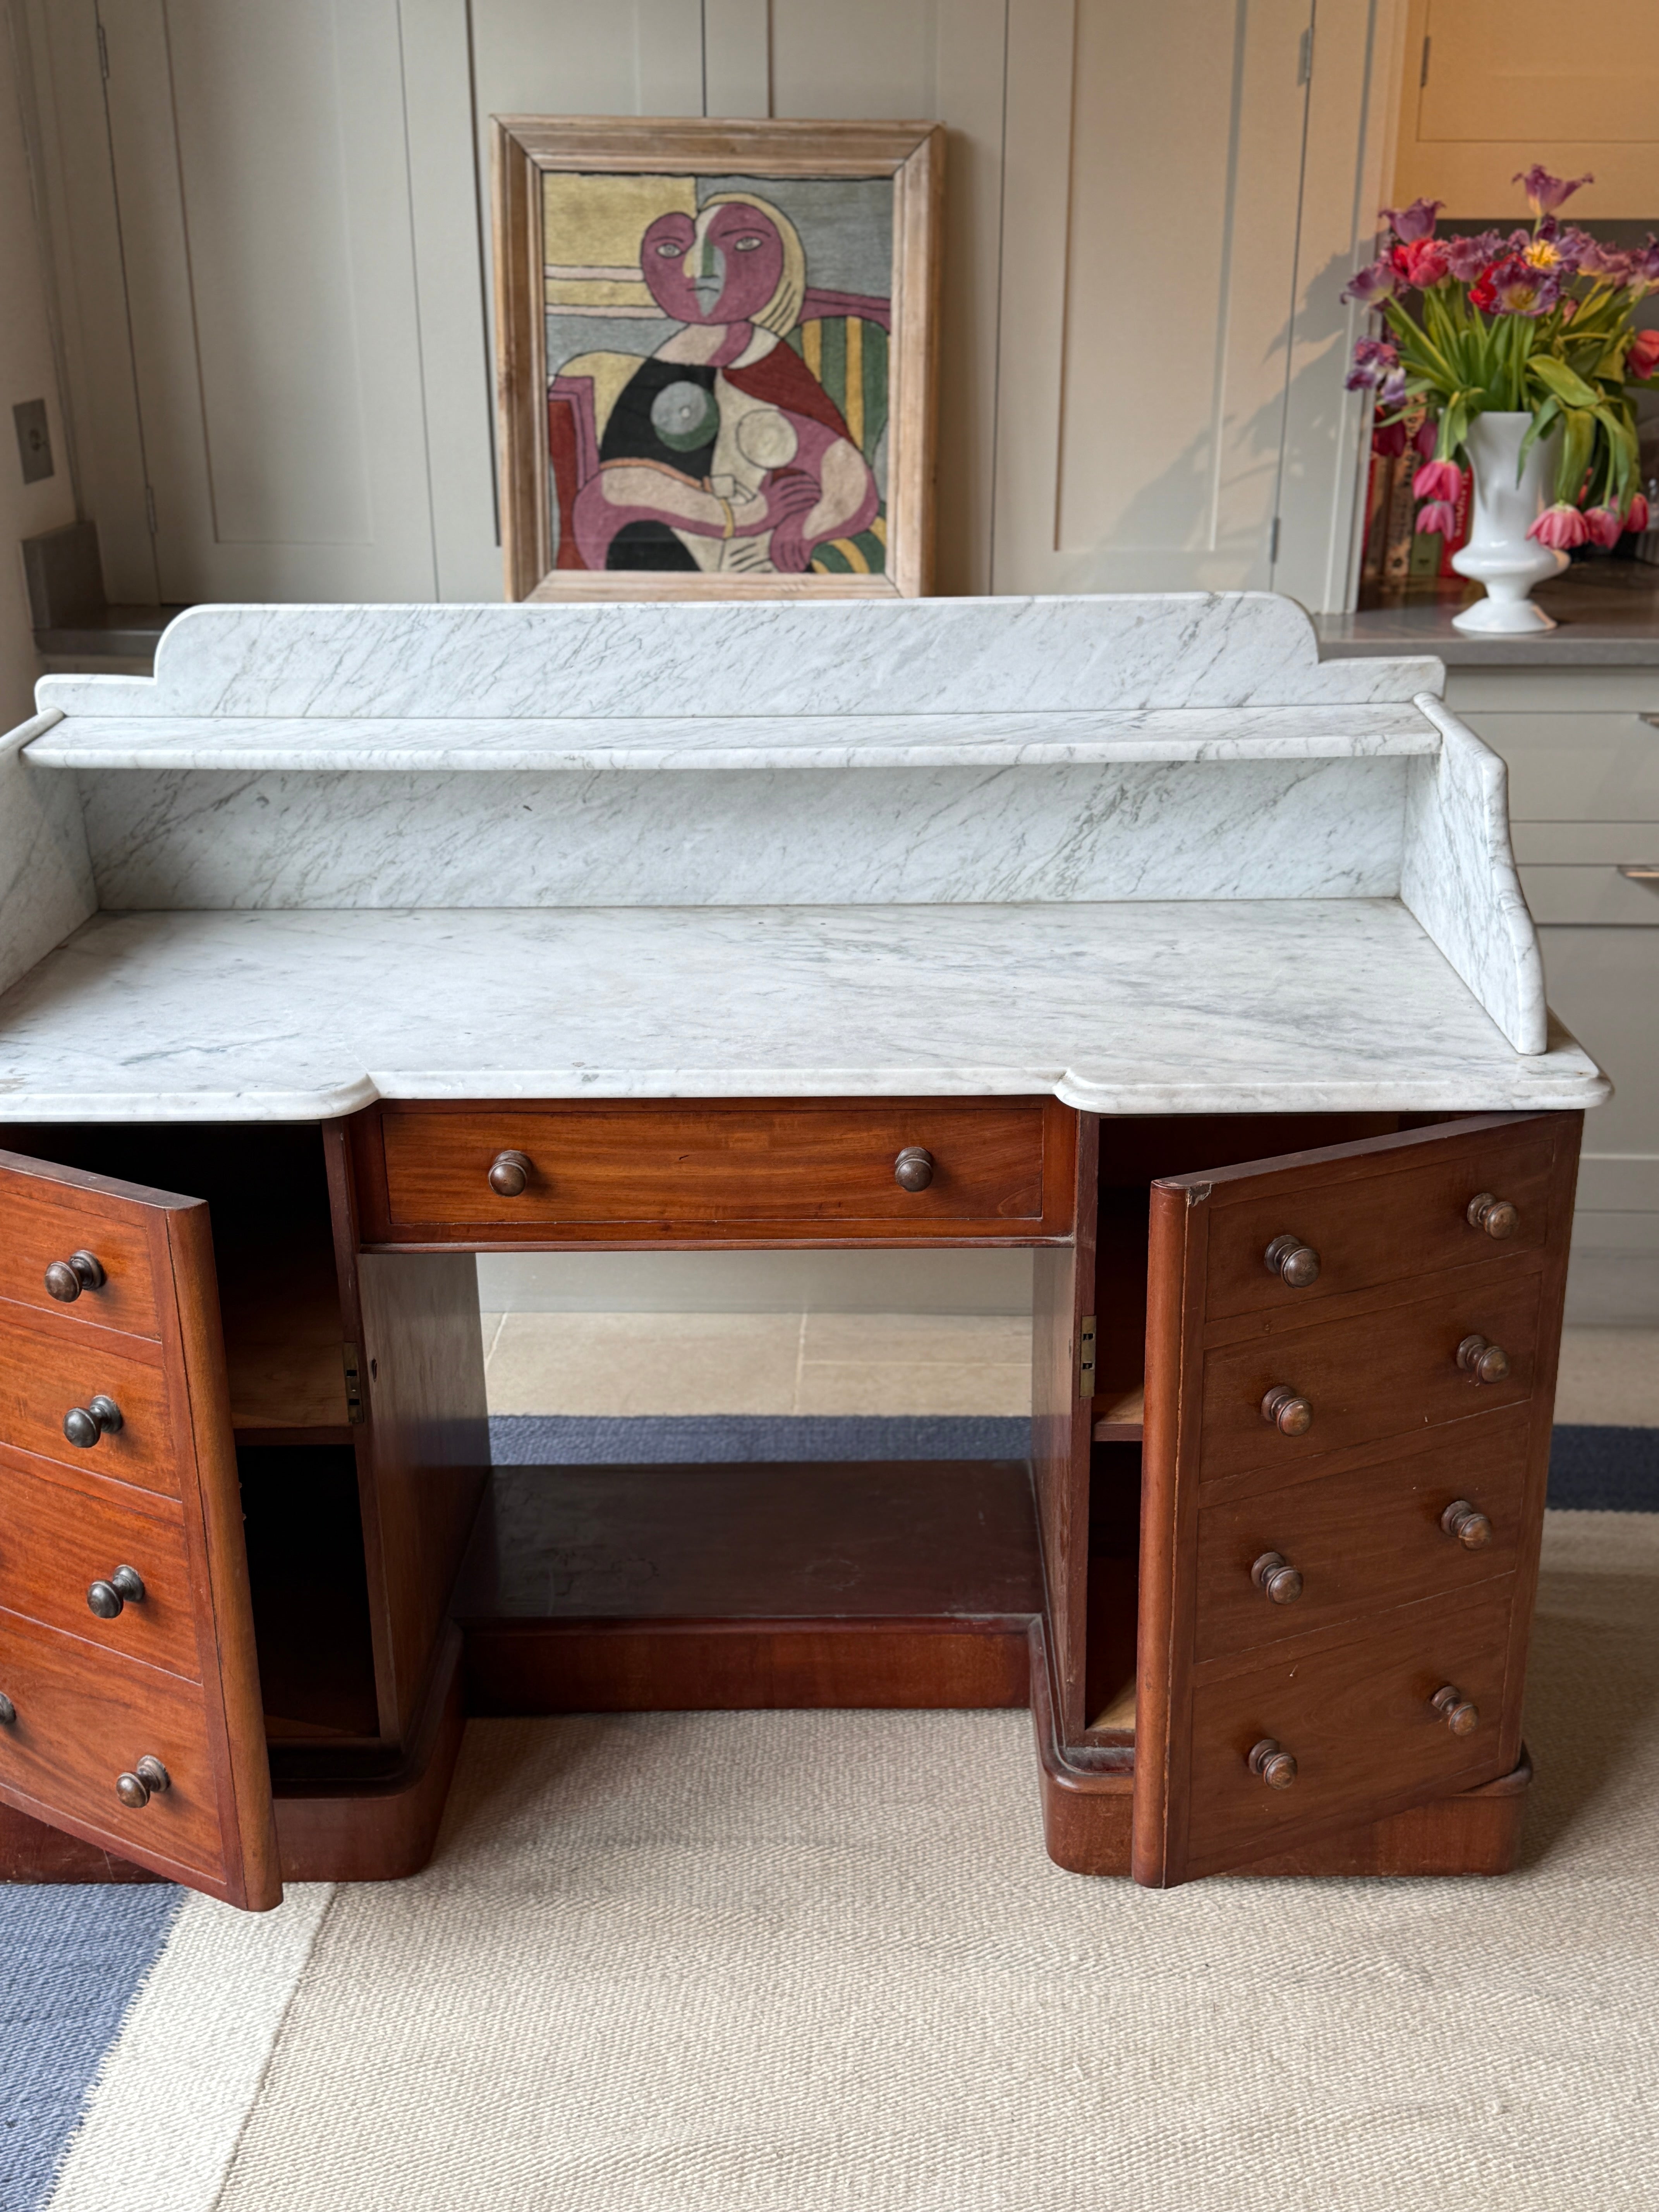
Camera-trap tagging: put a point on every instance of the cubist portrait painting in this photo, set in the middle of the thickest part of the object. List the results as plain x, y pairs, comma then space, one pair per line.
718, 373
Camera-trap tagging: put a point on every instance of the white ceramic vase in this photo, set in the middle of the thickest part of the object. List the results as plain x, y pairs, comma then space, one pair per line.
1499, 553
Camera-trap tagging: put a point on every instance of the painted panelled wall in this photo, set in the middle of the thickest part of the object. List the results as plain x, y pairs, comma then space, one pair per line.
271, 244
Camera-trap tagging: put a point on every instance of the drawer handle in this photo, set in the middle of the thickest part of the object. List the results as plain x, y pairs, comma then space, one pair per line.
67, 1278
1487, 1363
84, 1425
1282, 1410
1273, 1763
8, 1711
1293, 1261
1495, 1215
1472, 1529
1455, 1709
914, 1168
149, 1779
1276, 1578
125, 1586
509, 1174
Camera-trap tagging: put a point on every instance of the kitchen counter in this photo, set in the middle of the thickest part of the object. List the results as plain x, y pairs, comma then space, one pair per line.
1606, 613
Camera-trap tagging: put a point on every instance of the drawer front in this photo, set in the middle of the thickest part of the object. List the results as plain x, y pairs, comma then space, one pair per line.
1582, 893
46, 1222
1364, 1539
48, 1365
56, 1541
1359, 1723
1371, 1376
1384, 1227
717, 1168
83, 1719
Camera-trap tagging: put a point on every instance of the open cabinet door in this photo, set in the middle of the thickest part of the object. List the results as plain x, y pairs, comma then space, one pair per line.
1350, 1370
129, 1710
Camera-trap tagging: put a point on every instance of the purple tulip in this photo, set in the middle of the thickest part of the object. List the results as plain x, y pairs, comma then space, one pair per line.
1415, 221
1373, 357
1393, 391
1368, 285
1545, 193
1437, 520
1644, 262
1519, 288
1467, 257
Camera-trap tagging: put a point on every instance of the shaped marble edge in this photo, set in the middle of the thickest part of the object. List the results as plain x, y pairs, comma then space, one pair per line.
1458, 877
289, 745
46, 889
743, 658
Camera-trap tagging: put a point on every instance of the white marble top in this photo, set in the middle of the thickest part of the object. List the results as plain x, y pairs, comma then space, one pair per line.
1135, 1007
1053, 738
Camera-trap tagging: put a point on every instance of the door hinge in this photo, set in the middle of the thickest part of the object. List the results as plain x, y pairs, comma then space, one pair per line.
354, 1387
1423, 71
103, 54
1272, 543
1304, 56
150, 509
1085, 1359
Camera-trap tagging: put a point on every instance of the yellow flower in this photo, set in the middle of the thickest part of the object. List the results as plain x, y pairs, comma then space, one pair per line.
1540, 253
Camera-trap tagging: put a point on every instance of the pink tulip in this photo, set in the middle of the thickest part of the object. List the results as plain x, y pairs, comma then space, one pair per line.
1427, 438
1437, 520
1636, 514
1545, 193
1643, 359
1560, 526
1438, 480
1413, 222
1388, 440
1602, 526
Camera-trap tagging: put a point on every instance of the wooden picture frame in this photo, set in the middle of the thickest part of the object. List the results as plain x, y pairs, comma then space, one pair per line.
723, 520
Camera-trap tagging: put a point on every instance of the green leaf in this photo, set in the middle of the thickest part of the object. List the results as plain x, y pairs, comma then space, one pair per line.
1541, 426
1556, 377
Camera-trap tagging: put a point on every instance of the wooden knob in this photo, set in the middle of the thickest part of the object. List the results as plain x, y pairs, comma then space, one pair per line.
914, 1168
84, 1425
1276, 1578
1282, 1410
1487, 1363
8, 1711
1495, 1215
147, 1779
509, 1174
1273, 1763
1472, 1529
1293, 1261
1455, 1709
67, 1278
125, 1586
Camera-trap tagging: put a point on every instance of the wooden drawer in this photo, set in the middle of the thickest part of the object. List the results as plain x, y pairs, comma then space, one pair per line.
721, 1172
47, 1221
1365, 1537
84, 1717
1387, 1225
75, 1537
50, 1363
1357, 1720
1371, 1376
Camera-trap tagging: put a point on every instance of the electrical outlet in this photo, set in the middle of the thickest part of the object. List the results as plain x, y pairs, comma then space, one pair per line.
33, 440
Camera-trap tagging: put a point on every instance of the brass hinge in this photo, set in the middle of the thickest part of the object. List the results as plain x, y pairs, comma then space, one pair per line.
354, 1386
1085, 1360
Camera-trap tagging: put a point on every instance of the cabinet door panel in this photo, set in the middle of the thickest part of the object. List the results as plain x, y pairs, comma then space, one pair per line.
1391, 1606
84, 1711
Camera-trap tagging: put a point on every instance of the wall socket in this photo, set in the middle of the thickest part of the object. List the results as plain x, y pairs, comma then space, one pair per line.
33, 440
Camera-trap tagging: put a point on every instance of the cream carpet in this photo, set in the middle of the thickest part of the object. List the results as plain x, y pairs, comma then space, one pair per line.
798, 1963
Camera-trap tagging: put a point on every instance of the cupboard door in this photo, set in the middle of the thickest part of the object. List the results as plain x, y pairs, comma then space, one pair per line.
1383, 1278
115, 1428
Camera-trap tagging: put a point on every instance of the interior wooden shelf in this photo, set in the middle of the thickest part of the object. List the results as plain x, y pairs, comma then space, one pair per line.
1122, 1420
283, 1342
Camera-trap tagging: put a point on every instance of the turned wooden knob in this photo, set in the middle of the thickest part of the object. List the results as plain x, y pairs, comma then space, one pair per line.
914, 1168
125, 1586
1282, 1410
1276, 1578
1487, 1363
1293, 1261
8, 1711
1455, 1709
1273, 1763
84, 1425
1473, 1530
509, 1174
67, 1278
1495, 1215
147, 1779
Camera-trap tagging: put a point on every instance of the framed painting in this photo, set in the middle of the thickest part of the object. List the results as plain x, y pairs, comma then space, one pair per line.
715, 348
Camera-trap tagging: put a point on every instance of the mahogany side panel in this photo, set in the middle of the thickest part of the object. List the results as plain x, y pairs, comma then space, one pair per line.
1063, 1295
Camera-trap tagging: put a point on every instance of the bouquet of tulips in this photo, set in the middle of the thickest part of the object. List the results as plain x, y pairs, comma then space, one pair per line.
1536, 321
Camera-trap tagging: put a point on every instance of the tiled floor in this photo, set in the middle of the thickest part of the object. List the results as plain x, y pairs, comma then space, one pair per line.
646, 1363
